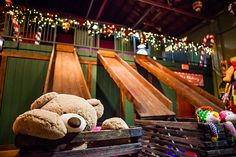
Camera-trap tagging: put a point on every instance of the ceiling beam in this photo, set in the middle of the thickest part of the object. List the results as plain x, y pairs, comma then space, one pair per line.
89, 9
101, 9
144, 15
164, 6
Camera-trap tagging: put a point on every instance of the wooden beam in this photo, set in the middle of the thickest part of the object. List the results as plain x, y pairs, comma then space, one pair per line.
89, 9
122, 105
25, 55
144, 15
167, 7
2, 77
50, 64
89, 77
83, 61
101, 9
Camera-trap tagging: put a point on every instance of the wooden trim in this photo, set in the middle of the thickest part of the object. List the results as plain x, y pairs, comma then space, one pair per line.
83, 61
122, 105
45, 90
25, 55
89, 77
2, 77
86, 92
133, 66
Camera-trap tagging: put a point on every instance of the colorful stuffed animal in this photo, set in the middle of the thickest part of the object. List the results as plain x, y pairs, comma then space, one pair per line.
228, 118
206, 114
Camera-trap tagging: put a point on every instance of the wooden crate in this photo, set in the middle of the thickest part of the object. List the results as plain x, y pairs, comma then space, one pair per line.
102, 143
183, 138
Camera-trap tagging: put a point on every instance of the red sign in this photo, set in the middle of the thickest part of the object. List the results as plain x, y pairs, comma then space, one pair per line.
184, 66
195, 79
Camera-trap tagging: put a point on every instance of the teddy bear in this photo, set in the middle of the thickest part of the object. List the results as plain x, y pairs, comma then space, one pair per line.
230, 71
54, 115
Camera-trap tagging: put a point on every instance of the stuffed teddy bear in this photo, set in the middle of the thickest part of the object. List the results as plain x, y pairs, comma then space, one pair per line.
230, 71
54, 115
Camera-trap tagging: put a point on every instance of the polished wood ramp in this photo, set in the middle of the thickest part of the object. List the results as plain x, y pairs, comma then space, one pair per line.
65, 74
195, 95
147, 100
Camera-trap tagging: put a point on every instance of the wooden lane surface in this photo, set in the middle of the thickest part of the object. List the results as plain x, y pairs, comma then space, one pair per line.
68, 76
148, 101
196, 96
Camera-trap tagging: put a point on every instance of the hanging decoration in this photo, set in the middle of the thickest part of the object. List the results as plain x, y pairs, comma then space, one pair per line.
171, 44
66, 26
38, 36
208, 42
232, 8
108, 30
197, 6
92, 27
15, 24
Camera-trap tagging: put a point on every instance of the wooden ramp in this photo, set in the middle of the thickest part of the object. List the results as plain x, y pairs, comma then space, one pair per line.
65, 74
195, 95
147, 100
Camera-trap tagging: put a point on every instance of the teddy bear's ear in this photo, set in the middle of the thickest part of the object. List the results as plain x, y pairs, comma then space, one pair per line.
98, 106
42, 100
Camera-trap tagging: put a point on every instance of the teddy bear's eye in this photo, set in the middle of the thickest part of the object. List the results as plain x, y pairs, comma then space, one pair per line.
64, 113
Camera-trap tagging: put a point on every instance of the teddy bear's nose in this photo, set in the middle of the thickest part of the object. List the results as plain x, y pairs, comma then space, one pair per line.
74, 122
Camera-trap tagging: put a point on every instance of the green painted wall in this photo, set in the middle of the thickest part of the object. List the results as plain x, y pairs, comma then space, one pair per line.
108, 93
24, 83
129, 112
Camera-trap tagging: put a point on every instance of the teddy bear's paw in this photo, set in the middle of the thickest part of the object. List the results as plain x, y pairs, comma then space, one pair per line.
40, 123
97, 105
74, 122
114, 123
42, 100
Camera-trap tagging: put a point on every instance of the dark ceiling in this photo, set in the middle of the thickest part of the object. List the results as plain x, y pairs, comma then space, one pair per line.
171, 17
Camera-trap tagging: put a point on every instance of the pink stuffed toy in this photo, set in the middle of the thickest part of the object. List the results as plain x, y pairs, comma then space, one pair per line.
227, 117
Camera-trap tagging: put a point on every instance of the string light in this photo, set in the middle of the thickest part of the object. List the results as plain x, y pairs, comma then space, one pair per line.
170, 44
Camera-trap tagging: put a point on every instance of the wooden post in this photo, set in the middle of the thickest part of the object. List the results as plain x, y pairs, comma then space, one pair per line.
89, 77
122, 105
2, 77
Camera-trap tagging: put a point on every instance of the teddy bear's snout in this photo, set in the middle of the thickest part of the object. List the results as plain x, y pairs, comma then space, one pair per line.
74, 122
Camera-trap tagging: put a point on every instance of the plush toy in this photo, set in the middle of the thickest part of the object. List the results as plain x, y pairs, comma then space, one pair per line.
206, 114
227, 117
230, 71
54, 115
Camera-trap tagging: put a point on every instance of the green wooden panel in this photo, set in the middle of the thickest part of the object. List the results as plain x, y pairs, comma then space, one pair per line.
94, 80
129, 112
28, 48
108, 93
123, 45
84, 68
24, 83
